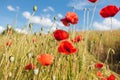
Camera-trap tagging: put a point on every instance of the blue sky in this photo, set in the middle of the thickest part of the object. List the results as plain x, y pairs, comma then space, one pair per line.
47, 9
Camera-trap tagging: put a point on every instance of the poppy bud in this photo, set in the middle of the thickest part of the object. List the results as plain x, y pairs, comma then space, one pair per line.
55, 18
11, 58
35, 8
36, 71
9, 26
30, 25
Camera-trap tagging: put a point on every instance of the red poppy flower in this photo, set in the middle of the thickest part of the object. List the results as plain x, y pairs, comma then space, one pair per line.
109, 11
65, 22
45, 59
99, 73
29, 67
111, 77
60, 34
67, 47
34, 40
71, 17
9, 43
93, 1
77, 38
99, 65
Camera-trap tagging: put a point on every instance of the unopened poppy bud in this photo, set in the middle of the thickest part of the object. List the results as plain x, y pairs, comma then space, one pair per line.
11, 58
10, 74
41, 29
34, 8
36, 71
30, 25
29, 55
55, 18
9, 26
53, 77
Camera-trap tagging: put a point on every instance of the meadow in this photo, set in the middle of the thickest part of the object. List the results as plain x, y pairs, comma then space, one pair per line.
62, 54
22, 49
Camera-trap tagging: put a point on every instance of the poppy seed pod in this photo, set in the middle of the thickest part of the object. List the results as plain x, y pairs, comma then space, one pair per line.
34, 8
9, 26
36, 71
11, 58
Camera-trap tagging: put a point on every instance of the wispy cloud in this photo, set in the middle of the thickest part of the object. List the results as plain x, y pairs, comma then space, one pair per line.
1, 29
48, 9
106, 23
78, 4
44, 21
60, 15
11, 8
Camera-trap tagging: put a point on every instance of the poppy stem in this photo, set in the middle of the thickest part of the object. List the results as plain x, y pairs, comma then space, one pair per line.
88, 12
84, 19
111, 23
91, 22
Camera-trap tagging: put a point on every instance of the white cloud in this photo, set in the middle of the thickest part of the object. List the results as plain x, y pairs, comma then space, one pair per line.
60, 15
11, 8
106, 24
1, 29
78, 4
45, 21
26, 14
21, 31
48, 9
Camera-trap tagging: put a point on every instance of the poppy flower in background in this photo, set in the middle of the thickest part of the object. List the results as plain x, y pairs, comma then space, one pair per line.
29, 67
77, 39
34, 40
60, 34
109, 11
71, 17
66, 47
9, 43
93, 1
111, 77
45, 59
98, 65
99, 74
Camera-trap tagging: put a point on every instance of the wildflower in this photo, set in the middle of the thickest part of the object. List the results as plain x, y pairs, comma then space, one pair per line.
98, 65
65, 22
93, 1
29, 67
9, 43
34, 40
77, 39
99, 74
45, 59
60, 34
111, 77
109, 11
66, 47
71, 17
